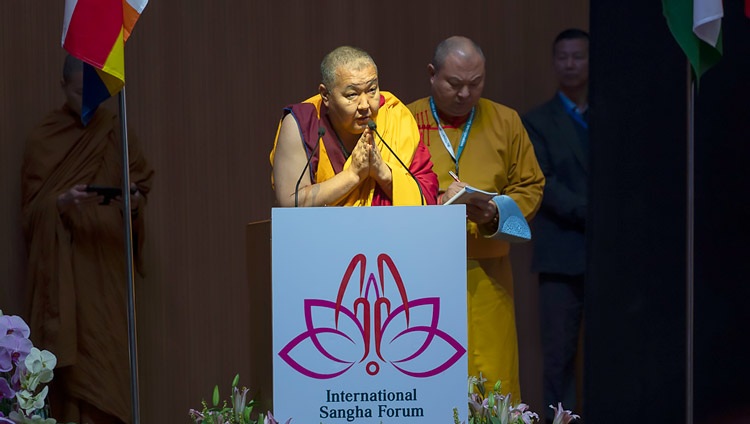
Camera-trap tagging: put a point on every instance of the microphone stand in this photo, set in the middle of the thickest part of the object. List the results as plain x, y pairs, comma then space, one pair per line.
321, 133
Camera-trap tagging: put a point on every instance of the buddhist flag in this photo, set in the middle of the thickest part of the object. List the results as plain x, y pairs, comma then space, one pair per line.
696, 25
95, 31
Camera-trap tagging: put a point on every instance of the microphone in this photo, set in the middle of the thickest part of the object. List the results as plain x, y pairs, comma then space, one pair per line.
321, 133
374, 127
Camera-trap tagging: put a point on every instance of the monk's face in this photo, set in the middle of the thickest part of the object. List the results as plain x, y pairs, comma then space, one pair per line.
73, 89
457, 86
354, 98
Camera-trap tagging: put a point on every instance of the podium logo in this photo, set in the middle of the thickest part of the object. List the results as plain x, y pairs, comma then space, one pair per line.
376, 326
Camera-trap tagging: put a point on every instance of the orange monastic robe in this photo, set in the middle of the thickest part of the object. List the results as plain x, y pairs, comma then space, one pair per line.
498, 157
395, 124
76, 273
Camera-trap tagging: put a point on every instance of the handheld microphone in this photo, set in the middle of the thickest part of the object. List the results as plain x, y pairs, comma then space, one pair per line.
374, 127
321, 133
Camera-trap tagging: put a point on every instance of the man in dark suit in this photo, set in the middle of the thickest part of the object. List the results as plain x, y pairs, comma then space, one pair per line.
559, 133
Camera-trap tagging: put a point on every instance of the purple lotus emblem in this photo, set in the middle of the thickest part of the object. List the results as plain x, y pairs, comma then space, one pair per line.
381, 327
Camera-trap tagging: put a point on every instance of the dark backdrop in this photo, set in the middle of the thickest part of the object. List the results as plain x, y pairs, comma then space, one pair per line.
722, 130
636, 286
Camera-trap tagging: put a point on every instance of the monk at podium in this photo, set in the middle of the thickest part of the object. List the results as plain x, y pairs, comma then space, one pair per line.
350, 144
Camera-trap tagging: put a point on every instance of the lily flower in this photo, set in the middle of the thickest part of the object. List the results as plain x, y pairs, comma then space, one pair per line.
522, 414
472, 384
196, 415
239, 400
475, 404
563, 416
269, 419
502, 407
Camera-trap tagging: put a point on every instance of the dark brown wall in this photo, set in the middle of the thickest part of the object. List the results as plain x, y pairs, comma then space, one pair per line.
206, 82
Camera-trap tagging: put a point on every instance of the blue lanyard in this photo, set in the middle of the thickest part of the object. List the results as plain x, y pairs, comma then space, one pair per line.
444, 137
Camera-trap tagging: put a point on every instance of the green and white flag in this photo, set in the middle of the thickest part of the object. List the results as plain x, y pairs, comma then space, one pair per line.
696, 25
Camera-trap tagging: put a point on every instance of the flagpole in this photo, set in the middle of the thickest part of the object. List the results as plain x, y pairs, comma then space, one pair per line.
128, 232
689, 251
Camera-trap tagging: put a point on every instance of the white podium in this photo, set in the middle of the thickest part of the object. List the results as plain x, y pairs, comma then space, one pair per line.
368, 314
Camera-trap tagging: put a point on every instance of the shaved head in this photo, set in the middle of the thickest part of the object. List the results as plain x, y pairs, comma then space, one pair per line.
457, 76
350, 57
457, 44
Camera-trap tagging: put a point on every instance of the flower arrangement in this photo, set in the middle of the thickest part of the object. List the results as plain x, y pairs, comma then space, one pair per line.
239, 412
484, 408
495, 408
24, 371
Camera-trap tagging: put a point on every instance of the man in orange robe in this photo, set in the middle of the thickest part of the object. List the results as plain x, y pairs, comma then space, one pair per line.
486, 145
77, 269
351, 165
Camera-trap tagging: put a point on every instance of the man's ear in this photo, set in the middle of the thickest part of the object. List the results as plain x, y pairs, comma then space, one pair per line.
431, 72
324, 93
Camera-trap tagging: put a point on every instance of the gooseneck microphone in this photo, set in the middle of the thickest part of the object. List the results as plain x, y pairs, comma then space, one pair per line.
321, 133
374, 127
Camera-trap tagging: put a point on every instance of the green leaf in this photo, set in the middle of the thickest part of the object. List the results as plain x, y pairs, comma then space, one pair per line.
246, 413
216, 395
235, 381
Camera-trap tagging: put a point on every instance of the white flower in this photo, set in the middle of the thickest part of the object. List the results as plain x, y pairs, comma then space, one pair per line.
563, 416
42, 363
472, 383
25, 368
39, 365
30, 402
502, 407
522, 414
239, 402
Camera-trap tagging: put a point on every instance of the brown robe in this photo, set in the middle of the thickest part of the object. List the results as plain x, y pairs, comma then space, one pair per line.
76, 275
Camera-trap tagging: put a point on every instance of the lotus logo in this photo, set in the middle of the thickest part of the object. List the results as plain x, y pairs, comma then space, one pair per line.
380, 327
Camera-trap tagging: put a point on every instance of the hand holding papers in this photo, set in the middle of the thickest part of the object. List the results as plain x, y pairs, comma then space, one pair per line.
512, 225
468, 193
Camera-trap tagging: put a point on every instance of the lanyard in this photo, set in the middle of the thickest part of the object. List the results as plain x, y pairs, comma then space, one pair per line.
444, 137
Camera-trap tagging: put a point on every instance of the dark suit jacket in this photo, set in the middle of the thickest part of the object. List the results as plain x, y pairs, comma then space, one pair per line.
558, 228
